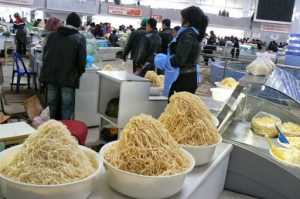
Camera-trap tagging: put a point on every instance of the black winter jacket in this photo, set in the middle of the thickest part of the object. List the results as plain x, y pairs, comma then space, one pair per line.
149, 47
64, 58
186, 50
166, 38
133, 43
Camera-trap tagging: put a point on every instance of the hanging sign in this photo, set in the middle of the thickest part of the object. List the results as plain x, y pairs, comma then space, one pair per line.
283, 28
157, 17
118, 10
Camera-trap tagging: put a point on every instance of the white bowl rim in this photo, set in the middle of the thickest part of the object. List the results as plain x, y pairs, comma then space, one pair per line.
190, 157
207, 146
98, 159
281, 161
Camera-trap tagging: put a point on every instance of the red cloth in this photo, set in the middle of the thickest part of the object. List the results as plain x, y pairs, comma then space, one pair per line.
77, 129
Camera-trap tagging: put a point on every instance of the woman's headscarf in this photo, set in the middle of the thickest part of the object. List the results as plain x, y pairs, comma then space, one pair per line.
53, 23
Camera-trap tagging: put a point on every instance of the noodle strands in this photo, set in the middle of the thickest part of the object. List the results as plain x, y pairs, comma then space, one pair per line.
189, 121
147, 148
50, 156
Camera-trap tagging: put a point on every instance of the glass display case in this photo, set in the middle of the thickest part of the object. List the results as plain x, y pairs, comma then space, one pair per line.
252, 169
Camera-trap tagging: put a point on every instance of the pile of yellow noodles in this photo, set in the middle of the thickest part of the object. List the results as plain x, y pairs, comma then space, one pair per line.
49, 156
229, 82
147, 148
189, 121
108, 68
291, 129
264, 126
156, 80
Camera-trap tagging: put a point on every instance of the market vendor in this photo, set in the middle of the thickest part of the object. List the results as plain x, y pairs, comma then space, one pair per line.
180, 65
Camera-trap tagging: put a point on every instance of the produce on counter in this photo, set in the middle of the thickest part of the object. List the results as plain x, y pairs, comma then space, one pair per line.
50, 156
147, 148
108, 68
290, 129
156, 80
294, 142
189, 121
265, 124
229, 82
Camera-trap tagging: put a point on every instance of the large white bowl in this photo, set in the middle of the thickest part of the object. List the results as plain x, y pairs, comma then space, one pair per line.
156, 91
144, 187
202, 154
76, 190
216, 121
221, 94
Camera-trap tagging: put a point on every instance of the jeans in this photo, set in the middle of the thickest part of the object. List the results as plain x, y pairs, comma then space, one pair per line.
61, 99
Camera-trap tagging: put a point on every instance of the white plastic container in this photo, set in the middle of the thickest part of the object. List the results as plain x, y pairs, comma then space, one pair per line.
155, 91
144, 187
221, 94
202, 154
75, 190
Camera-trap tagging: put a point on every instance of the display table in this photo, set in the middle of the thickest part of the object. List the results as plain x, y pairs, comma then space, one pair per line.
86, 98
15, 133
203, 182
108, 53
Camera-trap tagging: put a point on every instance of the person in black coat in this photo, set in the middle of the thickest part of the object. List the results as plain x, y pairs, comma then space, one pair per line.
149, 47
166, 35
113, 39
64, 61
211, 46
133, 44
185, 51
235, 51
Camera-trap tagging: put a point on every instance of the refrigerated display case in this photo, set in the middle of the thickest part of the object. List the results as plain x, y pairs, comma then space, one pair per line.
252, 170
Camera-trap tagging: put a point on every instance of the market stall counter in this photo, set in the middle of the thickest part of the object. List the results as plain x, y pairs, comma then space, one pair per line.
86, 96
123, 95
253, 168
206, 181
108, 53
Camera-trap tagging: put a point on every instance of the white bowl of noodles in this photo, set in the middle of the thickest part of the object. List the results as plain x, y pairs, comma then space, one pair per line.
202, 154
76, 190
141, 186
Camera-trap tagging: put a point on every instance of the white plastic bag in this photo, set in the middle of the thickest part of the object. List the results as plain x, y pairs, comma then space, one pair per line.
262, 65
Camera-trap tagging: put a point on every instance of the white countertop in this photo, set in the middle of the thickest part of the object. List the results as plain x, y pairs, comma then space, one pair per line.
17, 129
193, 180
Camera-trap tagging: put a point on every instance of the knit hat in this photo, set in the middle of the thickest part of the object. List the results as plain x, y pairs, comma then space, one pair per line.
74, 20
53, 23
144, 22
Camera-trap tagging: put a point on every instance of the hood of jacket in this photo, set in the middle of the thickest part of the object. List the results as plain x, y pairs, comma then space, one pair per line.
67, 30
